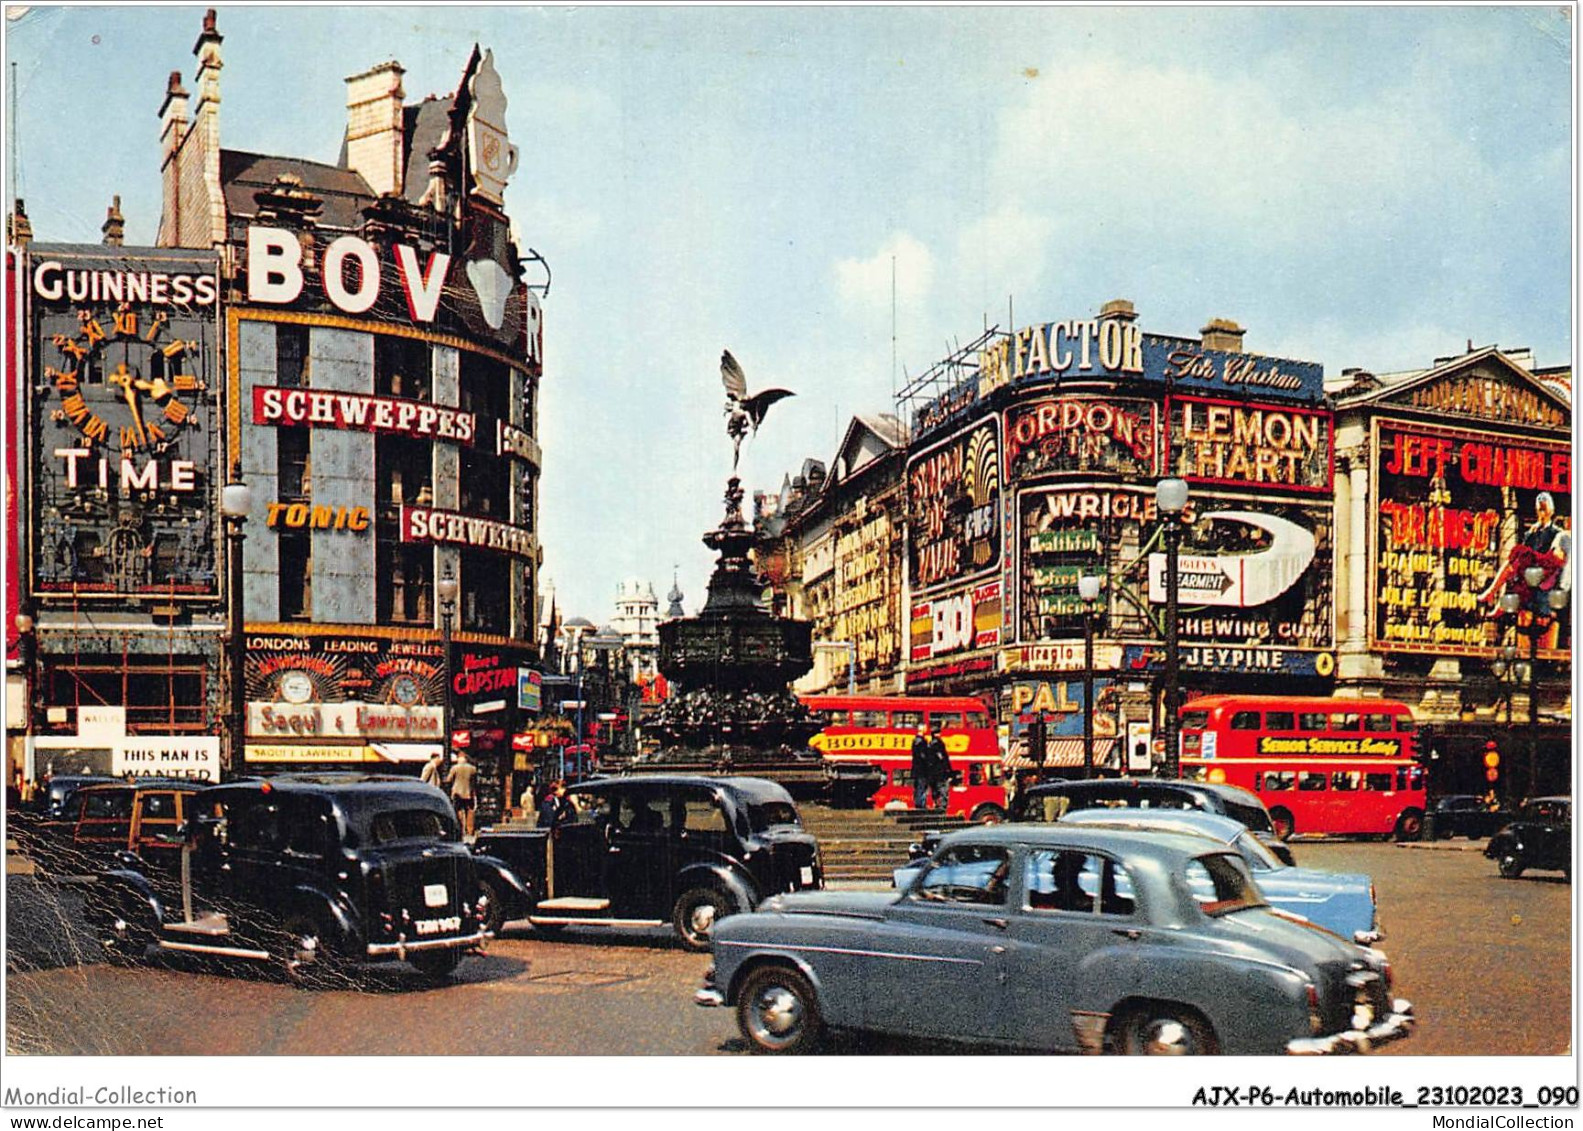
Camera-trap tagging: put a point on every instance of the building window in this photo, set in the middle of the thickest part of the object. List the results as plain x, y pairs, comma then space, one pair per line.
294, 465
403, 367
296, 576
485, 484
291, 356
408, 569
404, 472
161, 694
486, 592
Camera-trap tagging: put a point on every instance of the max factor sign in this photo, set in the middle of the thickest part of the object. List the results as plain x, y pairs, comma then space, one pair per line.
356, 412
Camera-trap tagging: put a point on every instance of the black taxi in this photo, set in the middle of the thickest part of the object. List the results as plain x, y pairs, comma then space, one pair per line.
650, 850
312, 871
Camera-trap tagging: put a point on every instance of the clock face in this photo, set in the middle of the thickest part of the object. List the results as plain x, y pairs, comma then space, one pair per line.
404, 690
295, 687
125, 382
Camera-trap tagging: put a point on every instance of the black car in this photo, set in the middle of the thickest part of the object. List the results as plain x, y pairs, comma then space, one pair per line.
1539, 837
55, 798
645, 851
313, 871
1463, 814
1049, 801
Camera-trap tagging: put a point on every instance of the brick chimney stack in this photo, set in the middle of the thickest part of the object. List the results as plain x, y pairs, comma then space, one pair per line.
375, 136
173, 131
114, 227
1223, 334
207, 226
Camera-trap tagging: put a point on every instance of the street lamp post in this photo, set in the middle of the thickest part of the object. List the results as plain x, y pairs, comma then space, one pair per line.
26, 645
446, 590
1171, 497
1088, 590
236, 499
1534, 576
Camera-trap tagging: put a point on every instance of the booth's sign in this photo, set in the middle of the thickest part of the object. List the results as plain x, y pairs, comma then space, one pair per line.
954, 524
1250, 444
1064, 434
1451, 506
121, 408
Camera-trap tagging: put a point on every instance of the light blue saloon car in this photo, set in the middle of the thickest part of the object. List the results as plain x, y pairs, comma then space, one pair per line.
1342, 902
1056, 937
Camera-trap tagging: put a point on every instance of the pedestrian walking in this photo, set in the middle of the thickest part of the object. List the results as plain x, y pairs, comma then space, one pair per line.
556, 808
460, 779
432, 769
929, 764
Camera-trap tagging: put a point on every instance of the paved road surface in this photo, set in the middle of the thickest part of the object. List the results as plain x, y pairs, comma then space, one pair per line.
1485, 960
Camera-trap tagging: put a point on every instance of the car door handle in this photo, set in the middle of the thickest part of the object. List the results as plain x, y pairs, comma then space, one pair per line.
1127, 932
998, 924
997, 949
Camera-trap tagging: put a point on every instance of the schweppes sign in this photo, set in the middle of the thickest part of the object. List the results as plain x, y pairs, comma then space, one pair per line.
835, 744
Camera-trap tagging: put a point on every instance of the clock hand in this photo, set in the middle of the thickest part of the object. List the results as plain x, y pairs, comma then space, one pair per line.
157, 388
123, 379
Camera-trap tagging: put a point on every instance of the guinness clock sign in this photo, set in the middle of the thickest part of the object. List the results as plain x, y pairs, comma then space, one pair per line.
123, 413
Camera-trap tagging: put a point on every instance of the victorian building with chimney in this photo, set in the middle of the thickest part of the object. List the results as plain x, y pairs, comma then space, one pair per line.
358, 341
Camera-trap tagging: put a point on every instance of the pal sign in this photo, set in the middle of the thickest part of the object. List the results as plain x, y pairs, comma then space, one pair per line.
275, 273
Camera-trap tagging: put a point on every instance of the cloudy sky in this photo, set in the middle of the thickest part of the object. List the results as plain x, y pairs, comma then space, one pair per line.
1356, 186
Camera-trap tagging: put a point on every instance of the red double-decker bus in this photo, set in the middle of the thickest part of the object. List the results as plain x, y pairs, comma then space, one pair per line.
1320, 765
877, 730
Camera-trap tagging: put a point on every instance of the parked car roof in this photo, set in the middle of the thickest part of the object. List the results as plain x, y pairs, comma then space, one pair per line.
1168, 848
754, 789
1195, 821
146, 783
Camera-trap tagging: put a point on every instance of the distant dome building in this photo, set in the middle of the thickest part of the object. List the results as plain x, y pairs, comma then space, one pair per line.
637, 623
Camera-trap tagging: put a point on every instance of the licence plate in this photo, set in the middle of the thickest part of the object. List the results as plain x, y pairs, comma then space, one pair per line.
807, 875
435, 895
435, 926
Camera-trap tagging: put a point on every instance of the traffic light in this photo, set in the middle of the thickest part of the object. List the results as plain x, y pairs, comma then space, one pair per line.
1418, 748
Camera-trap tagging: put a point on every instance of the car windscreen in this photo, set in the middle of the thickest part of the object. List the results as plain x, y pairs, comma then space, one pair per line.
771, 814
1258, 857
391, 825
1255, 817
1221, 884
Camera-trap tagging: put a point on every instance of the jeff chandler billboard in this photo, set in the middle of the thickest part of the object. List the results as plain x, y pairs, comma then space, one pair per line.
1451, 506
121, 422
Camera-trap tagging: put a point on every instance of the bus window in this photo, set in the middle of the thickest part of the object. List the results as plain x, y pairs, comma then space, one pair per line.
1277, 780
1311, 721
835, 718
907, 720
1405, 724
1380, 783
1245, 720
1195, 720
949, 720
977, 719
1348, 721
873, 719
1410, 777
901, 776
1345, 780
1311, 782
1377, 724
1280, 720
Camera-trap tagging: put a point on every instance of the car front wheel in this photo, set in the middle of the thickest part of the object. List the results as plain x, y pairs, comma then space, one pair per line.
1511, 867
1410, 825
1282, 823
1167, 1031
777, 1011
989, 814
302, 954
696, 913
495, 907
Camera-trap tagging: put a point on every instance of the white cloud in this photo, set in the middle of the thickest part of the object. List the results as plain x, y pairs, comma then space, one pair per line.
1008, 246
865, 284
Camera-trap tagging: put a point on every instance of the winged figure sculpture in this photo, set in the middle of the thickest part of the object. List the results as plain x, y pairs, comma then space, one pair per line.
744, 413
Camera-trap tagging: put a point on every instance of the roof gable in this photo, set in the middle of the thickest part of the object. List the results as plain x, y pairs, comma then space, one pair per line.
1484, 386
